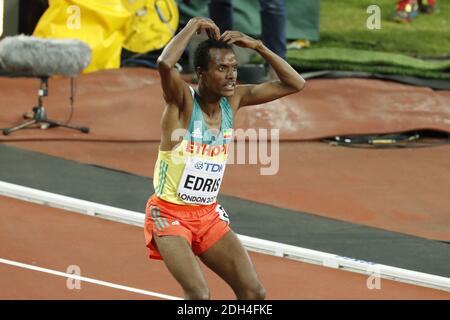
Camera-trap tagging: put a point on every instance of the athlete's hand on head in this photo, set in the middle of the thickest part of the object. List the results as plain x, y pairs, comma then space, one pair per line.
211, 29
240, 39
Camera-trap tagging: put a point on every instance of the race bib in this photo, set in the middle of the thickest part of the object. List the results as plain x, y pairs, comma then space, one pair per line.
201, 180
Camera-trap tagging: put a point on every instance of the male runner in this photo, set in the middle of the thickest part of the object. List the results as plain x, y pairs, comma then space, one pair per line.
183, 218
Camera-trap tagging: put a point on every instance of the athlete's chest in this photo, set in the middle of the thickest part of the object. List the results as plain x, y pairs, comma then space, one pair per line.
213, 122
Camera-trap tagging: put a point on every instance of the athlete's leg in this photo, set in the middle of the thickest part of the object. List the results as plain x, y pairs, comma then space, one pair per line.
273, 25
229, 259
183, 265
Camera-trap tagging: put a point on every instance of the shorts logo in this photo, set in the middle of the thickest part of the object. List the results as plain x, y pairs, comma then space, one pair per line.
222, 214
160, 223
176, 223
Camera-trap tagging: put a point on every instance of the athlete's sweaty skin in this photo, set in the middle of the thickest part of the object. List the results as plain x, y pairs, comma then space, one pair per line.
227, 257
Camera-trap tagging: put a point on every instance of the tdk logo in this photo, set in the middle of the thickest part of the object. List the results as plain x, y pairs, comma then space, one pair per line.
213, 167
199, 165
209, 167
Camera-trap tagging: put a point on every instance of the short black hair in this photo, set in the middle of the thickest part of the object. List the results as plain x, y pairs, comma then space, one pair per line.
202, 56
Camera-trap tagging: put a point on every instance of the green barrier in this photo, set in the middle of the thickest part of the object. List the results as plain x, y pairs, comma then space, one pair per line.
314, 59
369, 58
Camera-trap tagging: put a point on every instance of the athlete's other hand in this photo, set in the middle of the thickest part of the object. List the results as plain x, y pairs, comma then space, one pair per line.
240, 39
211, 29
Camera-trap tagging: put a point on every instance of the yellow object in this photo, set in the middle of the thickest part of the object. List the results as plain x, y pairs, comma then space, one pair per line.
299, 44
153, 24
102, 24
1, 17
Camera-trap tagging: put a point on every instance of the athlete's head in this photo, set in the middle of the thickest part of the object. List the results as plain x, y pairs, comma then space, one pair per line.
216, 67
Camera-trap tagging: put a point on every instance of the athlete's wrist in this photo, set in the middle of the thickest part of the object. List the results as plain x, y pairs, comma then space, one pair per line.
259, 46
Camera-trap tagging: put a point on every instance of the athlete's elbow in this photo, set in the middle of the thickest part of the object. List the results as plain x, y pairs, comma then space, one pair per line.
162, 64
296, 85
299, 85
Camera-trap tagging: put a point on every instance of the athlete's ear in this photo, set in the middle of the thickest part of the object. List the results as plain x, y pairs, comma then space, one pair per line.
200, 72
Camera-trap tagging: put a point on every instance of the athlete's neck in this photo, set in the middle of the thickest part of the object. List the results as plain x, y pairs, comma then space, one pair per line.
208, 101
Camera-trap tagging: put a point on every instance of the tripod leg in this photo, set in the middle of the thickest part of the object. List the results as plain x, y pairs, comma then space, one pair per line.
20, 126
28, 115
53, 123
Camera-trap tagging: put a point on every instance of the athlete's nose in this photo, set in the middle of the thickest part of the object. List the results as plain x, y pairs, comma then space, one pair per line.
231, 74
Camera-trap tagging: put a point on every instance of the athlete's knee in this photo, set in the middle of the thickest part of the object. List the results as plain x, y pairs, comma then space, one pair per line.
257, 292
197, 293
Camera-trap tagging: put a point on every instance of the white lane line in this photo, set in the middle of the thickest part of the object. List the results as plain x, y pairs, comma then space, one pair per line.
95, 281
253, 244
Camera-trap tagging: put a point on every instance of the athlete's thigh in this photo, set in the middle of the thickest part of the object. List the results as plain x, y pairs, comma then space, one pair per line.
229, 259
180, 260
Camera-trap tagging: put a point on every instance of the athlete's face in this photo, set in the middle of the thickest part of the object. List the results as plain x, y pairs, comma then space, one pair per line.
220, 78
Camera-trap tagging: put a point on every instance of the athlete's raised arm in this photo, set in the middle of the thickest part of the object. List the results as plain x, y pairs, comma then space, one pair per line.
289, 80
172, 84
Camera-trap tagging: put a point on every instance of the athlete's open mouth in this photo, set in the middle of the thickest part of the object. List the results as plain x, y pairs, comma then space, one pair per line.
230, 85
